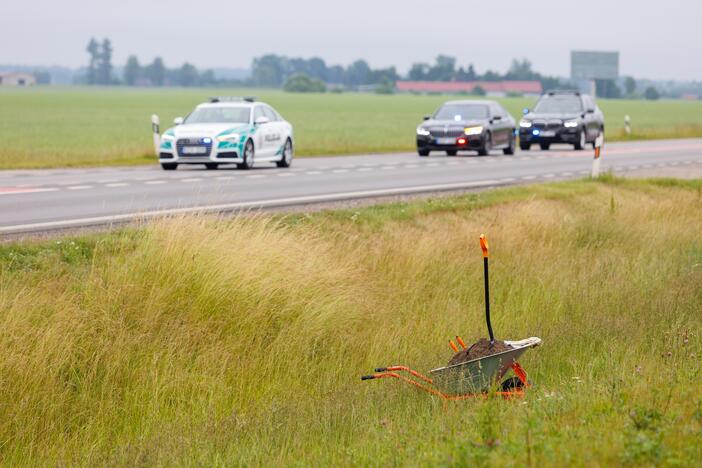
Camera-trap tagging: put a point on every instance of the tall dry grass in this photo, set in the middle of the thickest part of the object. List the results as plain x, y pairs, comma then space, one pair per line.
197, 341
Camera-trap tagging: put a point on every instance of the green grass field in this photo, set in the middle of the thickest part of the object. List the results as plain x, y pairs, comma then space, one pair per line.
54, 127
192, 341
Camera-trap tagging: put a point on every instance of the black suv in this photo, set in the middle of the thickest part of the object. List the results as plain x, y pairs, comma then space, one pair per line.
561, 117
467, 125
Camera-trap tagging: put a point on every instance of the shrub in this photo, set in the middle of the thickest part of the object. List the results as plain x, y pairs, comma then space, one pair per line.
301, 83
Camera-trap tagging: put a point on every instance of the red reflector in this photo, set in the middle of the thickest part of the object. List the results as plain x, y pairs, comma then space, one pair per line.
461, 141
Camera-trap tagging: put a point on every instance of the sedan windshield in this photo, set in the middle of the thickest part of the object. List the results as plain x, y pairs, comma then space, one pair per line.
219, 115
559, 105
462, 112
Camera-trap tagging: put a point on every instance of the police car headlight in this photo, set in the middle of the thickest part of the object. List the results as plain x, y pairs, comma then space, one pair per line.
525, 124
230, 137
473, 130
167, 138
570, 123
423, 131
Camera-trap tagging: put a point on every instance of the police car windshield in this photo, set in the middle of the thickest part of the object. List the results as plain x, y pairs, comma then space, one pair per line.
559, 105
462, 112
219, 115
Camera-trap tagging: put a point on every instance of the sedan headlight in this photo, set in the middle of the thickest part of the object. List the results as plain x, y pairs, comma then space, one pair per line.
570, 123
525, 123
230, 137
423, 131
473, 130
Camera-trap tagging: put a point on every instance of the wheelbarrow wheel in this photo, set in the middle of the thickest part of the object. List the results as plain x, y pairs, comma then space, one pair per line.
511, 384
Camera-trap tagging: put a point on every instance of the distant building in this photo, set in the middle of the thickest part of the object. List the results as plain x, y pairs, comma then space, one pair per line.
491, 88
17, 79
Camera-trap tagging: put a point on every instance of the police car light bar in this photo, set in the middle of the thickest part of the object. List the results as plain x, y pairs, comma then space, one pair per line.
232, 99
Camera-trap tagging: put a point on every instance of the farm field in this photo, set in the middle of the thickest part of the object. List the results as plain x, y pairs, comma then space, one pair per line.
81, 126
240, 341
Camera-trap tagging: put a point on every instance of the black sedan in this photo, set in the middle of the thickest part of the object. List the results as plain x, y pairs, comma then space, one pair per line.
467, 125
562, 117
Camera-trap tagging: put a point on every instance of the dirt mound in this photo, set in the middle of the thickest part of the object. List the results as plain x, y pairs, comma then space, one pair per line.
479, 349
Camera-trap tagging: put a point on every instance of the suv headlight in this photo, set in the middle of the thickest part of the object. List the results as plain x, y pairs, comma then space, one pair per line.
525, 123
570, 123
423, 131
473, 130
230, 137
167, 138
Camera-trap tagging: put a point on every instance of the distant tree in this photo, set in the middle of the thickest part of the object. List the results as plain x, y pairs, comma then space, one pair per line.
478, 91
491, 76
521, 70
93, 50
132, 71
358, 73
418, 72
207, 78
269, 70
444, 69
629, 85
335, 74
156, 72
187, 75
301, 83
652, 94
470, 73
608, 89
104, 69
317, 68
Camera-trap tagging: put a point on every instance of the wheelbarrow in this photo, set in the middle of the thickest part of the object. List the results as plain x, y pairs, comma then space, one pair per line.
471, 378
475, 377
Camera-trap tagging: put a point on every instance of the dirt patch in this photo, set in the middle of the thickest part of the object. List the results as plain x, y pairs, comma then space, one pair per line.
479, 349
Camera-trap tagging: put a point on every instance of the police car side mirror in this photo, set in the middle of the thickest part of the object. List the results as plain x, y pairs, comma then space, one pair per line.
261, 120
178, 120
591, 111
427, 117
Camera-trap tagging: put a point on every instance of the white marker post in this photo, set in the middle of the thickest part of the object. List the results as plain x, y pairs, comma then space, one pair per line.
155, 128
627, 125
599, 143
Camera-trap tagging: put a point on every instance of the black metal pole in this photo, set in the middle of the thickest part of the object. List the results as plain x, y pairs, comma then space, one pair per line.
487, 300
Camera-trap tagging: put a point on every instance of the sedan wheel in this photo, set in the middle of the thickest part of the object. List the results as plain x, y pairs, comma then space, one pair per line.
511, 146
581, 141
287, 158
248, 156
487, 146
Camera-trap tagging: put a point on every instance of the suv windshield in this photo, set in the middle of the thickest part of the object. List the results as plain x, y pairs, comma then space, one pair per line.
462, 112
567, 104
219, 115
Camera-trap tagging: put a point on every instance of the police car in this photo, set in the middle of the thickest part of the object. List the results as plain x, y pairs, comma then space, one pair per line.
228, 130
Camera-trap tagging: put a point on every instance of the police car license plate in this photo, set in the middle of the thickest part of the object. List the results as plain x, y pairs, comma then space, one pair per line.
548, 133
445, 141
194, 150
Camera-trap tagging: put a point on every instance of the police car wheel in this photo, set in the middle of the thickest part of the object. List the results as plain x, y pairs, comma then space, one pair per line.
249, 154
287, 158
169, 166
211, 166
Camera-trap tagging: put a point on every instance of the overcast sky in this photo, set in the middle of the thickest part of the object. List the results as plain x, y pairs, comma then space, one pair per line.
656, 39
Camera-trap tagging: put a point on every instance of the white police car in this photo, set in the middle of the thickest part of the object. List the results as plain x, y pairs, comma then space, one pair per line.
228, 130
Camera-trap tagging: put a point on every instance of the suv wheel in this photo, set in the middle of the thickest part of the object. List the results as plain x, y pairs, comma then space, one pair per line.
423, 152
169, 166
545, 146
524, 146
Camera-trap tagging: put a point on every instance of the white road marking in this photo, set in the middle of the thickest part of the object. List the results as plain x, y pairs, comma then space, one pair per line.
364, 169
155, 182
528, 177
244, 205
286, 174
192, 179
313, 172
508, 179
224, 177
548, 176
566, 174
255, 176
117, 184
340, 171
431, 164
79, 187
410, 166
388, 168
18, 191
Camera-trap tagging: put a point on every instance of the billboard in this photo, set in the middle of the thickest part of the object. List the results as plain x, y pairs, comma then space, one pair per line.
586, 65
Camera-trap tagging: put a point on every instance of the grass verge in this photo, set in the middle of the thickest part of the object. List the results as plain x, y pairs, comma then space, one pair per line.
196, 341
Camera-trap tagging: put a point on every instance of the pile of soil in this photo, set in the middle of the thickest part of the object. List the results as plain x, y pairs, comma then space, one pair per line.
479, 349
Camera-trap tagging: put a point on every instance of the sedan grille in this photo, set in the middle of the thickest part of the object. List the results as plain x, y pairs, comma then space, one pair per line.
440, 132
195, 146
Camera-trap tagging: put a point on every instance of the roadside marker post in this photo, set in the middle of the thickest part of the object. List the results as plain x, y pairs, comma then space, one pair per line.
627, 125
156, 130
599, 143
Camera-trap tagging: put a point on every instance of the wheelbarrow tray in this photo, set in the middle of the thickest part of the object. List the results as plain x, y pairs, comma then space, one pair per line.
480, 374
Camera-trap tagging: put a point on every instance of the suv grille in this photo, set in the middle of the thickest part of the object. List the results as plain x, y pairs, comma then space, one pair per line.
553, 124
193, 143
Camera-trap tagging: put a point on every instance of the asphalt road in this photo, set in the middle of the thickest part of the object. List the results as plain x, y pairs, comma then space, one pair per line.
41, 200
